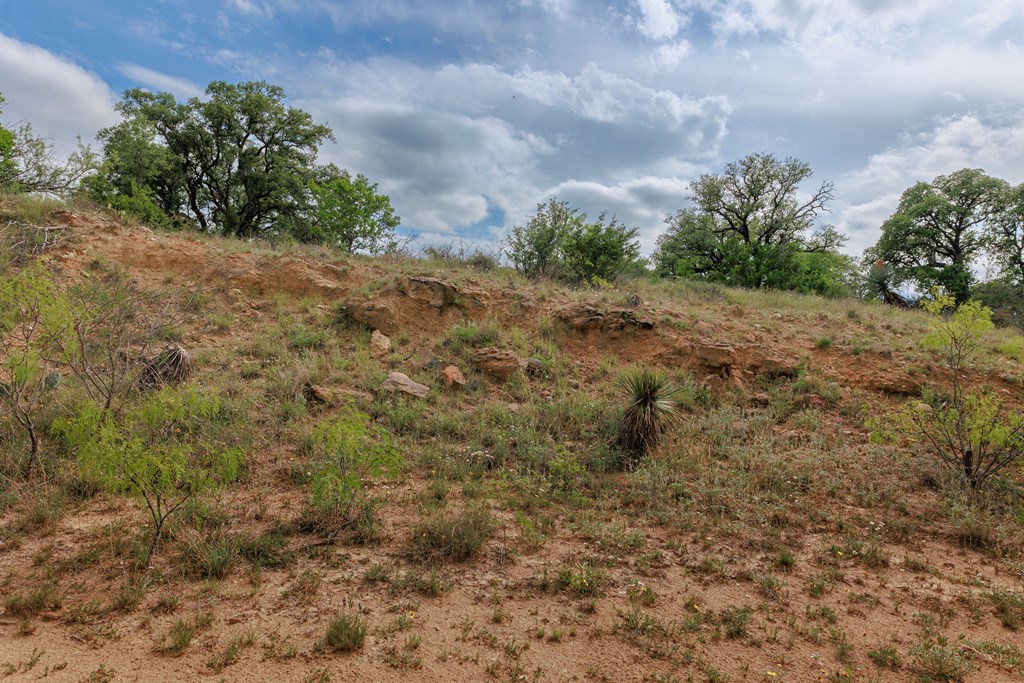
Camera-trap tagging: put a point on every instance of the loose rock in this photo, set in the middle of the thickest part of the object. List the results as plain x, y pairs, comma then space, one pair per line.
380, 344
400, 383
498, 363
452, 378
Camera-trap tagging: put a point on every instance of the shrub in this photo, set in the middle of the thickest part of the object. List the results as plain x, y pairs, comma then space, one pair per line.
650, 404
32, 313
161, 450
969, 431
346, 633
347, 451
451, 538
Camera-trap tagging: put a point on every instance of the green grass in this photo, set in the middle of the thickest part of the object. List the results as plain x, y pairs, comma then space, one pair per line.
451, 538
345, 633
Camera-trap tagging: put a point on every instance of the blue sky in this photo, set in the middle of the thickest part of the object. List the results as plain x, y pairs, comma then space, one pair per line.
470, 113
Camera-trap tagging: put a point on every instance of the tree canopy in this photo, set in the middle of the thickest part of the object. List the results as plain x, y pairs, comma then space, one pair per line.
934, 237
557, 242
350, 214
750, 226
233, 162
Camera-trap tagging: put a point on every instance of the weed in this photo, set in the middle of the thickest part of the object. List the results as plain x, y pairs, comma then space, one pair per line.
885, 657
345, 633
454, 538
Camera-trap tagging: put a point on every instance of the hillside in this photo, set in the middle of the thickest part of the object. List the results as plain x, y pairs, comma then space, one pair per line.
769, 538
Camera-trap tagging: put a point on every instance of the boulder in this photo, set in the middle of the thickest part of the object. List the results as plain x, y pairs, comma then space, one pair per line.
498, 363
775, 366
398, 382
452, 378
715, 355
380, 345
532, 367
378, 314
431, 290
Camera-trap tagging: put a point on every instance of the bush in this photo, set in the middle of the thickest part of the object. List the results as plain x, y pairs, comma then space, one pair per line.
347, 451
558, 243
456, 539
346, 633
161, 450
969, 431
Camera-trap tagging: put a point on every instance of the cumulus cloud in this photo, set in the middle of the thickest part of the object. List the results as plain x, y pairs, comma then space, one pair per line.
61, 99
658, 19
871, 193
155, 80
458, 145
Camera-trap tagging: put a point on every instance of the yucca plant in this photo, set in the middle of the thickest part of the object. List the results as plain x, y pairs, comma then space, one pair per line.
650, 404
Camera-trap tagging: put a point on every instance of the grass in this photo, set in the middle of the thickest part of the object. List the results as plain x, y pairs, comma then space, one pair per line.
345, 633
451, 538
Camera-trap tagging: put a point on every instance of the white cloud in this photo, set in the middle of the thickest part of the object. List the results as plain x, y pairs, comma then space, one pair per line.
871, 193
658, 19
667, 56
181, 87
252, 8
58, 97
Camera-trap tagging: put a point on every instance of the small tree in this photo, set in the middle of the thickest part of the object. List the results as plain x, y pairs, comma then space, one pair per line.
113, 331
347, 451
160, 450
600, 250
968, 430
31, 308
349, 213
535, 249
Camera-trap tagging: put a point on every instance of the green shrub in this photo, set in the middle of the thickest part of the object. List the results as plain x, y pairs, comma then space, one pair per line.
160, 450
347, 451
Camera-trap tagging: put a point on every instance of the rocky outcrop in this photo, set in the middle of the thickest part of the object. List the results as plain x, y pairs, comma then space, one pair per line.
742, 362
612, 322
498, 363
429, 290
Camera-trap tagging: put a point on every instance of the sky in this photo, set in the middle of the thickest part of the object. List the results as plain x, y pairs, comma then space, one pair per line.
469, 113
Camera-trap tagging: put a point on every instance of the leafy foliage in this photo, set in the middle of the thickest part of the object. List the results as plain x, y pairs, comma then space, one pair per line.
347, 451
29, 163
162, 450
969, 431
236, 161
750, 228
1006, 234
349, 214
558, 243
32, 313
934, 236
650, 404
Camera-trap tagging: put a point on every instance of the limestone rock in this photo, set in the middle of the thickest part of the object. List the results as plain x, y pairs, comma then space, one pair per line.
775, 366
452, 378
400, 383
715, 355
498, 363
380, 344
380, 315
431, 290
